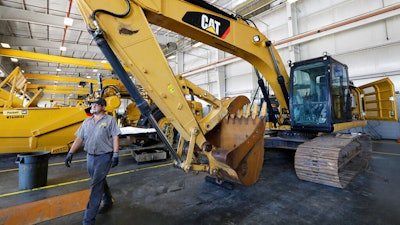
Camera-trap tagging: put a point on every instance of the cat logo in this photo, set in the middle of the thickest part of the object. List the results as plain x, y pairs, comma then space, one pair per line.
213, 24
209, 24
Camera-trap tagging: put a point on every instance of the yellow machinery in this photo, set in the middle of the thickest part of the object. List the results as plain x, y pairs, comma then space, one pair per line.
228, 143
27, 128
39, 129
13, 85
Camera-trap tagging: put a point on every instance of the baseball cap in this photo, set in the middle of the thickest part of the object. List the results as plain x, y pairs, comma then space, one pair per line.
100, 101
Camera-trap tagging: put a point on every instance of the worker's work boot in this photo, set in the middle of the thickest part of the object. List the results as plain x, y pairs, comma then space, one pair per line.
105, 207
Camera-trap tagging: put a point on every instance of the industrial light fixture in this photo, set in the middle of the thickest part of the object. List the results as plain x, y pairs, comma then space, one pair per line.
103, 61
172, 57
5, 45
63, 48
95, 70
14, 60
68, 21
88, 77
58, 69
292, 1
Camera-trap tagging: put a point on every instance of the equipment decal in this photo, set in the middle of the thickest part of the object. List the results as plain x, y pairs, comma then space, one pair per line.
213, 24
15, 114
171, 88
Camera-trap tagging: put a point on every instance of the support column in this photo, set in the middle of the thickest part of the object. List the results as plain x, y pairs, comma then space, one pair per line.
179, 62
221, 76
294, 52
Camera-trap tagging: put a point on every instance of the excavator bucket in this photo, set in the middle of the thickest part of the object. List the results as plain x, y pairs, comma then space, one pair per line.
239, 142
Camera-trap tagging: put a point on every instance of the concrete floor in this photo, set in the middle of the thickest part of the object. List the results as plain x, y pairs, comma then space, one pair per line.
163, 195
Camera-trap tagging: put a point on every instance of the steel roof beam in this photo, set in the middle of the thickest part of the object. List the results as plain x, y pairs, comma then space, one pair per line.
28, 42
54, 59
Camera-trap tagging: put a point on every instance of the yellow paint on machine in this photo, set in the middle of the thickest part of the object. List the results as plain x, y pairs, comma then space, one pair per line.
33, 129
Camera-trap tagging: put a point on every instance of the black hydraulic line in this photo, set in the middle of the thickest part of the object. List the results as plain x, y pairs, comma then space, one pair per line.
135, 94
111, 13
280, 79
91, 93
100, 84
270, 110
254, 97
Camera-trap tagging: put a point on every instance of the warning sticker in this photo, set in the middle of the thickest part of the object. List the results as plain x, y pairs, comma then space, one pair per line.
15, 113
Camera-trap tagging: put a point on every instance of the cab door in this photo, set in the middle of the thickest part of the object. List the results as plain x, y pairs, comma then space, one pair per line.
379, 100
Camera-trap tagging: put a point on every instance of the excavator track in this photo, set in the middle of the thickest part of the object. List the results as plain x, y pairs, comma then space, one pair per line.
333, 160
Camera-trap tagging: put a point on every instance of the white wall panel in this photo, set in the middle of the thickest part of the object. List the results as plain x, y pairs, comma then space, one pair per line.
272, 23
239, 68
314, 14
317, 47
239, 79
390, 2
393, 25
374, 61
360, 38
197, 57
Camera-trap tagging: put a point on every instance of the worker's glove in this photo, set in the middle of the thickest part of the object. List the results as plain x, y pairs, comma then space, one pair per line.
68, 159
114, 160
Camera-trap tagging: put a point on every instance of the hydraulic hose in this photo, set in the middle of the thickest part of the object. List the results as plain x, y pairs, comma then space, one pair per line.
280, 78
270, 110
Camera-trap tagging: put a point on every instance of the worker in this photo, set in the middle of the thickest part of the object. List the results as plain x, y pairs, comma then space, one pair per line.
99, 134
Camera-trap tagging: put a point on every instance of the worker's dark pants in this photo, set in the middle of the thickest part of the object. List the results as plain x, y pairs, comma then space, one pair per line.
98, 167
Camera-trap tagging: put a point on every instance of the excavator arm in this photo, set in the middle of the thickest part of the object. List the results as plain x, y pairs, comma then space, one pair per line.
205, 23
228, 142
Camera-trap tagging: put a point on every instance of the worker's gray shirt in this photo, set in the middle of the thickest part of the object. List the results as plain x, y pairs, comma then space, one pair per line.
98, 136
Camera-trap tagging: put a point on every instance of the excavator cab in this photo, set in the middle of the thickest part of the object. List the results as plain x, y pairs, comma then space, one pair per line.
320, 95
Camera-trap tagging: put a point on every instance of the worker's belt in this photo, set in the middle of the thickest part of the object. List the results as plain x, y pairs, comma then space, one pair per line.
98, 154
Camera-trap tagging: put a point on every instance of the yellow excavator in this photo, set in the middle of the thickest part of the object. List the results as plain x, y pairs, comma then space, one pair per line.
311, 106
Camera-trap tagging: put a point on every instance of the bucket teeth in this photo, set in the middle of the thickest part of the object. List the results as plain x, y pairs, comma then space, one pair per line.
247, 112
239, 113
254, 112
263, 111
239, 145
